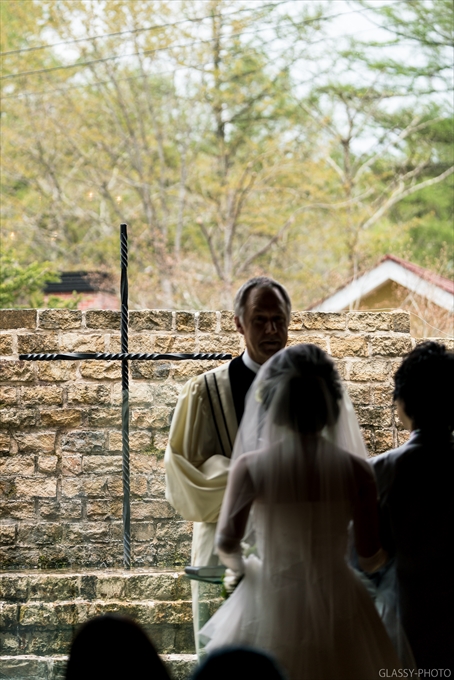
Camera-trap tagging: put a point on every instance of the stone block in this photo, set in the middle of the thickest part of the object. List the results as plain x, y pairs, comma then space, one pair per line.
166, 394
104, 510
142, 418
7, 534
114, 343
143, 342
20, 510
47, 465
164, 343
101, 370
64, 417
384, 440
143, 462
64, 319
72, 486
160, 441
151, 510
391, 346
17, 465
140, 394
158, 485
104, 417
369, 321
5, 442
80, 393
207, 322
43, 588
8, 396
227, 321
13, 588
60, 510
402, 437
102, 464
37, 343
185, 322
382, 395
71, 465
323, 320
150, 370
142, 531
98, 532
84, 441
41, 395
36, 442
6, 345
17, 418
370, 371
138, 441
57, 371
183, 370
75, 342
16, 371
348, 346
18, 318
151, 319
183, 344
400, 321
44, 533
230, 343
306, 338
377, 416
296, 321
359, 394
98, 318
44, 488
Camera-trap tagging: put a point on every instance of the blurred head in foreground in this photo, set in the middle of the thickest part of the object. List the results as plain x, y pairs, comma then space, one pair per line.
113, 647
238, 663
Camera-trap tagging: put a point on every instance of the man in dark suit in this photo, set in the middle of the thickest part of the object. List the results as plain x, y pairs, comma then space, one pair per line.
415, 484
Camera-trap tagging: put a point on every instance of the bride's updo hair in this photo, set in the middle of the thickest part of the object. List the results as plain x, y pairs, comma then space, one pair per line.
303, 388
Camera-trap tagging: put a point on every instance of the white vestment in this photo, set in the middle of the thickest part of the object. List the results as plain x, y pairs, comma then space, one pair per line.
197, 459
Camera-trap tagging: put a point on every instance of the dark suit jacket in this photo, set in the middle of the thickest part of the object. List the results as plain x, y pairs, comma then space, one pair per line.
416, 487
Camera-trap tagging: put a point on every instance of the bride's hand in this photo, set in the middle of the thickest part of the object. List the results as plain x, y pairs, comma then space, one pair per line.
231, 580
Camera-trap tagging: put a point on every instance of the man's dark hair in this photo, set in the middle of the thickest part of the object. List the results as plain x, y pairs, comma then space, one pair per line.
424, 383
242, 295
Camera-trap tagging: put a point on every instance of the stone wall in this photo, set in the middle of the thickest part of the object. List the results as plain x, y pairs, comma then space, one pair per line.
60, 444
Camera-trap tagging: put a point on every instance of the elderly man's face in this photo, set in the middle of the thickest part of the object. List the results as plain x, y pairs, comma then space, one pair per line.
264, 324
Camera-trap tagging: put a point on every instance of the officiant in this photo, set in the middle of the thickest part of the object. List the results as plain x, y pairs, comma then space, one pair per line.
207, 416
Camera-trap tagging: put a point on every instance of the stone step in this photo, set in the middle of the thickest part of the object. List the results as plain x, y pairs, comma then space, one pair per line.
33, 667
41, 611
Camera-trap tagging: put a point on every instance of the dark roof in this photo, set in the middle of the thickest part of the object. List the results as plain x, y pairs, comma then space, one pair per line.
81, 282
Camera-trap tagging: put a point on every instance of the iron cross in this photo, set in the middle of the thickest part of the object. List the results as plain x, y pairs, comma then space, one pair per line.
124, 356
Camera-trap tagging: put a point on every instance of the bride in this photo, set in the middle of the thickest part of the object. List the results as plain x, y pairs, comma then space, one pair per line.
294, 483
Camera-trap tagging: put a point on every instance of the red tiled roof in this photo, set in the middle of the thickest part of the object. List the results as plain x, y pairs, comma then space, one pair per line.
436, 279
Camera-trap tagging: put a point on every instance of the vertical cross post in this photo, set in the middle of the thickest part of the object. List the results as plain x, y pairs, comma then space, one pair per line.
125, 396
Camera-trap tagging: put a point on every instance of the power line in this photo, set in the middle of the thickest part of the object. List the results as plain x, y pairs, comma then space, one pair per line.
138, 30
156, 49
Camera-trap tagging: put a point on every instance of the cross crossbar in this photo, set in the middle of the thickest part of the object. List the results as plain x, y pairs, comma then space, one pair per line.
124, 356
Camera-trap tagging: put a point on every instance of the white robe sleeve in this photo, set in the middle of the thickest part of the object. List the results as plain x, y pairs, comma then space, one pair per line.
196, 470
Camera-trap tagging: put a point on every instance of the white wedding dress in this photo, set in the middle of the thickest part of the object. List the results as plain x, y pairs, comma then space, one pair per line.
298, 598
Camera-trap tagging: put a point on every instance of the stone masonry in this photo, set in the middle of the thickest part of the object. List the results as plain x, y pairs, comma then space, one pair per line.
60, 442
60, 469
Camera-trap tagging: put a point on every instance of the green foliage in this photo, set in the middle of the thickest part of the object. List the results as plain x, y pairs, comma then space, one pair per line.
19, 284
243, 144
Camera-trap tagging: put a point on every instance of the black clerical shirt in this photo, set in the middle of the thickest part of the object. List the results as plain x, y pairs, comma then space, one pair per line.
241, 378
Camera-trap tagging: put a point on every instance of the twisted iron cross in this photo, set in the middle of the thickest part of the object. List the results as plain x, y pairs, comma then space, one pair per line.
124, 356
